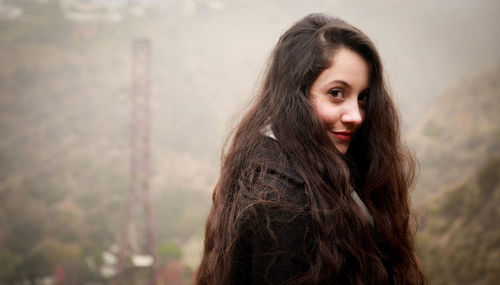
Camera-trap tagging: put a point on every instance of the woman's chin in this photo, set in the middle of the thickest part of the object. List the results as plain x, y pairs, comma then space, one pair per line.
342, 148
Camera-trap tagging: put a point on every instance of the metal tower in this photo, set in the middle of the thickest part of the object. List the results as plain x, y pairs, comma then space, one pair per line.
139, 158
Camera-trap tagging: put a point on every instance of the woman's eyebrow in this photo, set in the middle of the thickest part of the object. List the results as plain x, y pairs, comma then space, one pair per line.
338, 81
341, 82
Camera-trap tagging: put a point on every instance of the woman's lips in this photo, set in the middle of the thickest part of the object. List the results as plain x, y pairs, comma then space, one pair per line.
343, 135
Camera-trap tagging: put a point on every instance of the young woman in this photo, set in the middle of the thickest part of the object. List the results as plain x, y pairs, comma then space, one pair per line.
314, 186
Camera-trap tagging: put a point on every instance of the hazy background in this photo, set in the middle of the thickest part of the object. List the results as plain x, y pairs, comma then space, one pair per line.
65, 85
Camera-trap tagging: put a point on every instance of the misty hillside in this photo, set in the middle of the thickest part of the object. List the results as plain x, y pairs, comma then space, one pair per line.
64, 151
460, 238
458, 192
458, 133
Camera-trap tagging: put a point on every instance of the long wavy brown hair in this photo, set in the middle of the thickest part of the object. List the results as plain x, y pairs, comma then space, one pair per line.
377, 165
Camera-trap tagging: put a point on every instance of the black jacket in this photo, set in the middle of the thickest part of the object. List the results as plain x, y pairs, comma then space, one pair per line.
274, 242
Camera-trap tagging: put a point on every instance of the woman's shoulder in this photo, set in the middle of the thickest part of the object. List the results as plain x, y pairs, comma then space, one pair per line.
271, 158
271, 174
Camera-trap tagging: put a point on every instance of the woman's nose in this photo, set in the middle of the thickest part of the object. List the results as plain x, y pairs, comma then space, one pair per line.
352, 113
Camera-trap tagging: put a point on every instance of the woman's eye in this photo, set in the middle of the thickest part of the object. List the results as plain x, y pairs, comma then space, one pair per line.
363, 98
336, 93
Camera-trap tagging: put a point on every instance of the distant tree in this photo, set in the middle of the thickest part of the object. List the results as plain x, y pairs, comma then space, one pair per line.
168, 251
47, 22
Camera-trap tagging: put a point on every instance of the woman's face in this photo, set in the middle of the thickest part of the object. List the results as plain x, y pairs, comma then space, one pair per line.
339, 94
